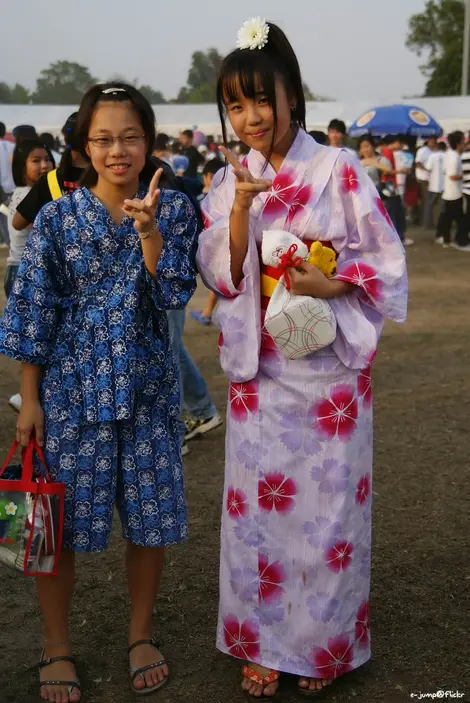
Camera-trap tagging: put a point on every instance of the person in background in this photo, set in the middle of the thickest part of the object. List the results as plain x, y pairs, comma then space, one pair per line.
162, 148
393, 202
24, 131
466, 182
337, 134
404, 161
452, 198
7, 184
189, 150
422, 173
371, 161
31, 160
320, 137
49, 142
435, 167
204, 316
68, 175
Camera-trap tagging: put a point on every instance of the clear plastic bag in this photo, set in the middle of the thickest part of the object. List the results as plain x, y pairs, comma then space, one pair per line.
31, 516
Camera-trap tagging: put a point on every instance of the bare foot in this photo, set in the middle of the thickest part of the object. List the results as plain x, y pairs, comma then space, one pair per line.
314, 684
144, 655
59, 671
256, 689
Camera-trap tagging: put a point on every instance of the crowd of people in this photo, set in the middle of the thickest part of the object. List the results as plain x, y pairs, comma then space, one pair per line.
104, 250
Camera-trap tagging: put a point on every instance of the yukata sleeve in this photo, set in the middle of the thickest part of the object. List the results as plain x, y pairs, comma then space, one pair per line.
176, 269
371, 257
213, 256
29, 324
238, 313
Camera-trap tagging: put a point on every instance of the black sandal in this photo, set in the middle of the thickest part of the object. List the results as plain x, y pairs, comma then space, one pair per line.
52, 660
134, 673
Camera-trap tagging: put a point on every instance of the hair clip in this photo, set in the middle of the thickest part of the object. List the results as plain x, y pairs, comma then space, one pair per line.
253, 34
113, 90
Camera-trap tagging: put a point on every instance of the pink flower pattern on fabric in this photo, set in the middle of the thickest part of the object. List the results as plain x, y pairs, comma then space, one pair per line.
364, 386
339, 556
363, 625
337, 415
349, 179
237, 505
276, 492
281, 195
244, 400
364, 276
242, 639
334, 661
271, 576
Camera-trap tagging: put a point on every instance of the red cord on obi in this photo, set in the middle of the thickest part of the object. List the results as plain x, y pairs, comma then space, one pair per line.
289, 260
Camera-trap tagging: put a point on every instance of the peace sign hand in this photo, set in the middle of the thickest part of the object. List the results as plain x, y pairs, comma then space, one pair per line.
246, 186
143, 212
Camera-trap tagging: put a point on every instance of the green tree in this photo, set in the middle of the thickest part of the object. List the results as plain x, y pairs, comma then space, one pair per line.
155, 97
16, 95
437, 32
62, 83
202, 78
20, 95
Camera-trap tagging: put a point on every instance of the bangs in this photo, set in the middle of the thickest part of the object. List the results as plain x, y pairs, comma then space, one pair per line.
247, 74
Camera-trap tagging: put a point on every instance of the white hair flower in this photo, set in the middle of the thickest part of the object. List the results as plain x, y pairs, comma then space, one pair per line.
253, 34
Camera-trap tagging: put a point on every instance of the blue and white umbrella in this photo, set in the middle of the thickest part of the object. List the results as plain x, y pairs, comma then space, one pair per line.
396, 119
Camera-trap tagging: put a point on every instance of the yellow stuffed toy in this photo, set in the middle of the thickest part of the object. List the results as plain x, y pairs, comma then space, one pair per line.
323, 258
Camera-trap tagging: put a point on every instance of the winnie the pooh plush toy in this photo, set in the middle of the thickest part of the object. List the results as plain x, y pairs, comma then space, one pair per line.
323, 258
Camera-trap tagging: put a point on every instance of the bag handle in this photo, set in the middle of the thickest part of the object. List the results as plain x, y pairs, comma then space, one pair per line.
27, 458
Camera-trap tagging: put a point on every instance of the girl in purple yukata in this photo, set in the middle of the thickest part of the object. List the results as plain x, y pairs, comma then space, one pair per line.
296, 524
87, 319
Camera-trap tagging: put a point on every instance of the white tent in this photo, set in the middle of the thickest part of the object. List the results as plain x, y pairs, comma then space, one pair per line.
451, 113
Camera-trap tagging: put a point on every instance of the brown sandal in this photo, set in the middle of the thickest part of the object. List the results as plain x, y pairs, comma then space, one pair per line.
252, 675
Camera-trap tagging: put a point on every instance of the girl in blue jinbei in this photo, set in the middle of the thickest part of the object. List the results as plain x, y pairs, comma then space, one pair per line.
86, 316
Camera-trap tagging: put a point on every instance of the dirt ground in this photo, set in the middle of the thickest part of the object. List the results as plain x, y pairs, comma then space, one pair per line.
421, 573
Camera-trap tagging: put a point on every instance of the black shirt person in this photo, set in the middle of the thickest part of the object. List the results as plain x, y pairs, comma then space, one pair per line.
189, 150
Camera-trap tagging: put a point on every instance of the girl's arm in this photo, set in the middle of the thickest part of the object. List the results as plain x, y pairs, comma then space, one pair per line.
246, 189
31, 417
152, 246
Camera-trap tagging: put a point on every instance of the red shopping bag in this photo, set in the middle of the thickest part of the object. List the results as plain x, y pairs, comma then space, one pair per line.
31, 515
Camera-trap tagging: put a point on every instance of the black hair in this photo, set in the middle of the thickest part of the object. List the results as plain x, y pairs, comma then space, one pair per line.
442, 146
320, 137
252, 71
103, 92
24, 132
365, 138
161, 141
391, 139
338, 125
212, 166
455, 138
20, 156
47, 139
3, 130
188, 133
243, 149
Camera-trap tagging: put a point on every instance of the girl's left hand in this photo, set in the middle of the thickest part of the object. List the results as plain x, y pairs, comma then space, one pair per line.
143, 212
308, 280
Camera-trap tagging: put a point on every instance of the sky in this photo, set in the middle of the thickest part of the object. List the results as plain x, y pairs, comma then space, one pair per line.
347, 49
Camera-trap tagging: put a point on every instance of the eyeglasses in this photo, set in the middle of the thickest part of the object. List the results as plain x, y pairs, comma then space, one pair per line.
108, 142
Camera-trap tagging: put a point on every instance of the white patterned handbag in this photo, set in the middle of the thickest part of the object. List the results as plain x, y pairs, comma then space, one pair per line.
299, 325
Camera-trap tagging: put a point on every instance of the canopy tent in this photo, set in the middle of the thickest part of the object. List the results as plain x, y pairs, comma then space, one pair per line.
451, 113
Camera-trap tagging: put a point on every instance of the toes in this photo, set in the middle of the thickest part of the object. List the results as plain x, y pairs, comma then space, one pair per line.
271, 689
75, 697
303, 683
139, 683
